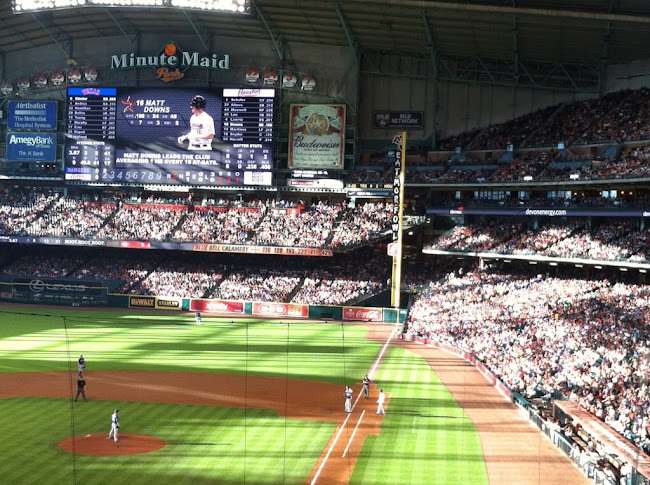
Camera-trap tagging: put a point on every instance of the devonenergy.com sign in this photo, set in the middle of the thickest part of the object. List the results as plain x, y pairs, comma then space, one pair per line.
317, 135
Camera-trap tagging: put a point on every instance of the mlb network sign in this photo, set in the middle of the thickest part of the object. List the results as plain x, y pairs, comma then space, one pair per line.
31, 146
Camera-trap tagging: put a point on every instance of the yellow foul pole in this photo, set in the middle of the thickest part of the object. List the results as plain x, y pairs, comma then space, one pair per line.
395, 248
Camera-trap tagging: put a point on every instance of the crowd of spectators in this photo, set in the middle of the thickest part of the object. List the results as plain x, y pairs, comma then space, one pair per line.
511, 132
325, 281
309, 228
616, 117
362, 223
254, 222
189, 280
352, 277
620, 241
18, 211
229, 226
71, 217
582, 340
255, 284
142, 222
530, 165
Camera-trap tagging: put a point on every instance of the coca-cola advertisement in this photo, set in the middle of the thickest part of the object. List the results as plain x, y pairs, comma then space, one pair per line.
361, 313
280, 309
217, 306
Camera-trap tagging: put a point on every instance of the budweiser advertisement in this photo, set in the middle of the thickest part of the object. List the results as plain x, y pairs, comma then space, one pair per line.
361, 313
218, 306
280, 309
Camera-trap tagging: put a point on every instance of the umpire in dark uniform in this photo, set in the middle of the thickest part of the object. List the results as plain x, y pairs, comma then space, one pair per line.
366, 383
80, 388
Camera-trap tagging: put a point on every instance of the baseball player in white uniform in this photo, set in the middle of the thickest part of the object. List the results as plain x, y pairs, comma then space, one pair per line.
380, 402
201, 126
348, 399
197, 318
115, 425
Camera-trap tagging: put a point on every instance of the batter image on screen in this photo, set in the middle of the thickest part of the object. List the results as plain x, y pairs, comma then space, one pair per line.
201, 126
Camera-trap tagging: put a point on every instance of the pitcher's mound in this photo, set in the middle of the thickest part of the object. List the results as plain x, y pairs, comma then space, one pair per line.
97, 444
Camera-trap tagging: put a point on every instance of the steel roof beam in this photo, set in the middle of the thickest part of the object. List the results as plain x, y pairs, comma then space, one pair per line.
514, 10
63, 44
355, 58
515, 46
119, 20
279, 44
490, 71
199, 30
431, 44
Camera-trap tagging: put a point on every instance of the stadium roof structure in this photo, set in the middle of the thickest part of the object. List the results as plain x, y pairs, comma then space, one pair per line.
539, 43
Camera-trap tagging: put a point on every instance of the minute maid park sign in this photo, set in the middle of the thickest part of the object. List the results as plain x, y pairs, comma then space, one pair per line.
171, 62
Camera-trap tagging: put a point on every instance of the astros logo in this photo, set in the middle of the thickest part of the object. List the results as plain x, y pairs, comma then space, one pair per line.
128, 105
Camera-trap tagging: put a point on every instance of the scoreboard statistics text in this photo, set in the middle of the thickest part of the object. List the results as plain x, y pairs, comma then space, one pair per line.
155, 136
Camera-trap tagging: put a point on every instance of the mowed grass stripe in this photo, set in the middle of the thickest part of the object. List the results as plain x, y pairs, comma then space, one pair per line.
316, 351
425, 436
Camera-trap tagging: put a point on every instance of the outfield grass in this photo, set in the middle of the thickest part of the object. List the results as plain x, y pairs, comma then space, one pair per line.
425, 437
39, 340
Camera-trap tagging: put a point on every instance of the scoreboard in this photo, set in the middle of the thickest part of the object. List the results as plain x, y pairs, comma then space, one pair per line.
149, 135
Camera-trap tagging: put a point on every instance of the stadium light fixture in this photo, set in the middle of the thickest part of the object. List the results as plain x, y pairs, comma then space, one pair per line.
228, 6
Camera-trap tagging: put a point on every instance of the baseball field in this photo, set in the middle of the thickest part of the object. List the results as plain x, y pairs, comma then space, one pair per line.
231, 401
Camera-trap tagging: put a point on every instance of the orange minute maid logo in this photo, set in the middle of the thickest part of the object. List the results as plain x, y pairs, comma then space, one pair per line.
167, 74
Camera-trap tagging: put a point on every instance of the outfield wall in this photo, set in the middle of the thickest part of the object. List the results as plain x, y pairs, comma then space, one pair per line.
260, 309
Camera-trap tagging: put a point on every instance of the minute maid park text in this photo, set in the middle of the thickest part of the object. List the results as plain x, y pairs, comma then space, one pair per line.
187, 59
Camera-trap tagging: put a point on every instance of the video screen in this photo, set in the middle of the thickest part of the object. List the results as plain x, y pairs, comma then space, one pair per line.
169, 136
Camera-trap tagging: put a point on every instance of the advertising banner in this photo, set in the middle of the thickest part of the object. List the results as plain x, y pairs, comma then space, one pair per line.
399, 119
31, 146
59, 286
219, 306
142, 301
233, 248
361, 313
317, 135
31, 115
169, 303
280, 309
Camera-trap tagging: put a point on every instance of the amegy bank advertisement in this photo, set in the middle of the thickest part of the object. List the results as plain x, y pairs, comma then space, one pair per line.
317, 136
